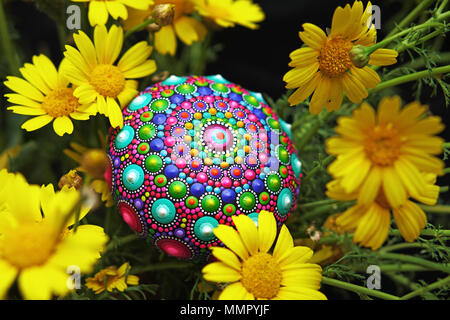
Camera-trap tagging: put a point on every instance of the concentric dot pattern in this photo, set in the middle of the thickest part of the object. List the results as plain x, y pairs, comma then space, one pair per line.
193, 152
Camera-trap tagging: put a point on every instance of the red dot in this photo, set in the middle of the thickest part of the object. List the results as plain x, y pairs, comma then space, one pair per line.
220, 135
283, 170
264, 197
229, 209
236, 172
160, 180
214, 172
191, 202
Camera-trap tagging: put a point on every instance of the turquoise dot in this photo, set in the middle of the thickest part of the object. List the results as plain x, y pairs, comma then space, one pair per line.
285, 201
296, 165
209, 189
173, 80
182, 175
254, 216
133, 177
217, 78
238, 189
124, 137
140, 102
163, 211
203, 228
217, 190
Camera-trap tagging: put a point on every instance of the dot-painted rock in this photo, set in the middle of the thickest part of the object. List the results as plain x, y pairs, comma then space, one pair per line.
194, 152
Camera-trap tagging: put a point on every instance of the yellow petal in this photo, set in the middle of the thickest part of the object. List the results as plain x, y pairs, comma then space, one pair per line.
304, 91
227, 257
296, 255
186, 29
36, 122
393, 188
24, 88
143, 70
370, 187
231, 239
9, 274
235, 291
373, 228
320, 96
410, 220
248, 232
284, 244
63, 125
220, 272
98, 15
165, 40
353, 88
267, 230
86, 48
313, 36
305, 275
117, 10
299, 293
135, 56
383, 57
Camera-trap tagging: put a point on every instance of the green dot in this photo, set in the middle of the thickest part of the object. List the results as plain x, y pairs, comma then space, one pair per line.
220, 87
237, 90
191, 202
264, 198
177, 189
153, 163
274, 182
167, 93
283, 154
210, 203
247, 201
146, 116
201, 83
229, 210
159, 105
251, 100
147, 132
160, 180
185, 88
143, 148
274, 124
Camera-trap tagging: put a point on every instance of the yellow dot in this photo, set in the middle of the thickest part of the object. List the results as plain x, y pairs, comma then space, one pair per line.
240, 124
187, 138
189, 126
228, 114
238, 160
224, 165
197, 115
247, 137
143, 198
122, 158
212, 111
127, 156
208, 161
147, 194
183, 220
183, 225
194, 152
246, 149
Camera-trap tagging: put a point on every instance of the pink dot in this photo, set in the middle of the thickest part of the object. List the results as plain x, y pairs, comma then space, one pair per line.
169, 141
172, 120
226, 182
202, 177
181, 163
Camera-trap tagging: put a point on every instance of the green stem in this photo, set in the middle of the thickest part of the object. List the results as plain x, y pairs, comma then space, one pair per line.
162, 266
7, 45
402, 268
315, 204
436, 209
415, 260
323, 164
446, 145
423, 5
139, 27
422, 290
410, 77
320, 119
400, 246
121, 241
429, 36
358, 289
427, 232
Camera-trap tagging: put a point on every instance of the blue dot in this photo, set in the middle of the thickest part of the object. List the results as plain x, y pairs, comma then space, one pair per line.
235, 96
228, 195
204, 91
163, 153
171, 171
258, 185
156, 145
197, 189
159, 118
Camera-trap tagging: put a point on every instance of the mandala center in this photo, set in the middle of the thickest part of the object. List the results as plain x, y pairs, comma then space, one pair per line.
29, 245
334, 57
382, 145
107, 80
60, 102
261, 276
218, 138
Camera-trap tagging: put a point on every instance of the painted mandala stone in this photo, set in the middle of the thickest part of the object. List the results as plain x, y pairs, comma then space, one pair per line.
194, 152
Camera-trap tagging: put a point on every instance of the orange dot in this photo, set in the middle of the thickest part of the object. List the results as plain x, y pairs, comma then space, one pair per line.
143, 148
252, 160
191, 202
283, 170
264, 197
240, 114
236, 172
160, 180
214, 172
195, 164
220, 135
229, 209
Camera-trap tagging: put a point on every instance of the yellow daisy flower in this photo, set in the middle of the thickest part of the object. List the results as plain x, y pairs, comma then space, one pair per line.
252, 272
228, 13
99, 10
324, 65
95, 163
112, 278
186, 28
100, 82
371, 222
45, 94
387, 149
37, 249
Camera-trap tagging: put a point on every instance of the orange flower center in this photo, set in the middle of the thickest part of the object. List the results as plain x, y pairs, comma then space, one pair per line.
60, 102
107, 80
334, 57
29, 245
261, 275
382, 145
